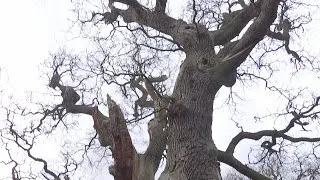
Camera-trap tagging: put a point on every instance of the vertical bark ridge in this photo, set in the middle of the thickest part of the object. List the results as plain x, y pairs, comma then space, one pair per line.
192, 153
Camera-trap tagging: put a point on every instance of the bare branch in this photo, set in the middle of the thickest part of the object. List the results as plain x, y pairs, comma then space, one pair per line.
286, 39
252, 36
274, 134
228, 158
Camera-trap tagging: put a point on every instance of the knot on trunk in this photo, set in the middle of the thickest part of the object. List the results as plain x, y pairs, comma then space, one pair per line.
230, 79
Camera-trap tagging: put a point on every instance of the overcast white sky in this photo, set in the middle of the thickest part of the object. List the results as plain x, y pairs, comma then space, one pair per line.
32, 28
29, 30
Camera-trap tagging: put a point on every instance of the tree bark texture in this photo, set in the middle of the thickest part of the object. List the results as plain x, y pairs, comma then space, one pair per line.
192, 153
184, 123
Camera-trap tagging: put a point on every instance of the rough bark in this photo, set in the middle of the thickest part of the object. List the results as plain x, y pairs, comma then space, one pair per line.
191, 150
191, 153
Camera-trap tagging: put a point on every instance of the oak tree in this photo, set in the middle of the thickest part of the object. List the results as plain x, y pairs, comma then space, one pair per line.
219, 43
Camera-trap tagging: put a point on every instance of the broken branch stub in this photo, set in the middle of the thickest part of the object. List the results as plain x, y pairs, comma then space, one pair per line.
123, 151
102, 125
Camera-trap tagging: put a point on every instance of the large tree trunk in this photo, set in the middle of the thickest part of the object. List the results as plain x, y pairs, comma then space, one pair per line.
186, 123
192, 153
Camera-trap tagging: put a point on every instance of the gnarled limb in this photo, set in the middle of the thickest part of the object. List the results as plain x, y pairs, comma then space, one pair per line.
113, 132
150, 160
274, 134
234, 26
229, 159
157, 127
256, 32
285, 37
142, 101
297, 119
